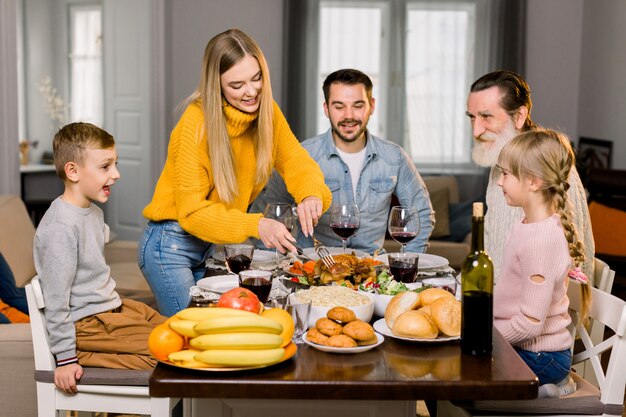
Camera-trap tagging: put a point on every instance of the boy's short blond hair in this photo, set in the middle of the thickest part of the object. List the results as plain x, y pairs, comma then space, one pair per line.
71, 140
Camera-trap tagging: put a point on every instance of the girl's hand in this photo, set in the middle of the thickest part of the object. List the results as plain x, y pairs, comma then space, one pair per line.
274, 234
309, 212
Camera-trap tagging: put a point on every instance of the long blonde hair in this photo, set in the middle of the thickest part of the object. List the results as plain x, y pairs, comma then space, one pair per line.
547, 154
222, 53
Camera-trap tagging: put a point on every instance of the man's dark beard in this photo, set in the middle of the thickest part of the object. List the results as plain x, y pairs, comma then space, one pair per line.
344, 138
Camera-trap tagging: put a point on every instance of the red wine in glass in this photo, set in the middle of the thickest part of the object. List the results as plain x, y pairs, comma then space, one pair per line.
344, 231
345, 219
403, 237
403, 272
239, 263
259, 286
403, 224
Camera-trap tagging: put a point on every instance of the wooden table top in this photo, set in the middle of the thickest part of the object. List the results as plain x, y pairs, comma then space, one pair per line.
395, 370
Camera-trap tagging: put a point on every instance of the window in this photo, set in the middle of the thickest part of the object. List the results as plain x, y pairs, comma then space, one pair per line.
360, 24
421, 56
86, 83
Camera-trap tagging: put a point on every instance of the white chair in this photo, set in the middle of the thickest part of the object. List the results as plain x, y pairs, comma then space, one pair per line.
603, 280
99, 390
588, 400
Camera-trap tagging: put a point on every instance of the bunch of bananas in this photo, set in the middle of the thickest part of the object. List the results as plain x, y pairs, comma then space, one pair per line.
226, 337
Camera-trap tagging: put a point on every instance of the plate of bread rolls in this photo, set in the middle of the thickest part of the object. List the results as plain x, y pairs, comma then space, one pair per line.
433, 315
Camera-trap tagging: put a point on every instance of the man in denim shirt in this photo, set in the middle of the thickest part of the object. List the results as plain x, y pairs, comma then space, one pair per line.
358, 168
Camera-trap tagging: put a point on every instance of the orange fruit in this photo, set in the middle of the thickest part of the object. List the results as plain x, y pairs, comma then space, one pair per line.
163, 341
285, 320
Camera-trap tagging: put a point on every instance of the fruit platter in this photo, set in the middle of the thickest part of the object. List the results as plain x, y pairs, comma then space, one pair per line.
232, 336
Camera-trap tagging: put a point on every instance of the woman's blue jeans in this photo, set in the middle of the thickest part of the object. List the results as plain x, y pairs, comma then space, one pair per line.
172, 261
550, 367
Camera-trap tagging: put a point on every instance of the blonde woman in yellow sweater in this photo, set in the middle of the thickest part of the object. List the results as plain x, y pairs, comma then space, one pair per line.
221, 153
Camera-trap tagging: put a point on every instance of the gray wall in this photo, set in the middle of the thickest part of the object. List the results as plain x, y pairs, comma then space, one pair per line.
602, 104
576, 61
192, 23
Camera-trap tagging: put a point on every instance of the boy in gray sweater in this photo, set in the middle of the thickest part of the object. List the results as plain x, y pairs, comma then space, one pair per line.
87, 322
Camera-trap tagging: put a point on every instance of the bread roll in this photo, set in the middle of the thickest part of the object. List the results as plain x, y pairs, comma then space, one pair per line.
415, 325
447, 314
400, 303
431, 294
424, 309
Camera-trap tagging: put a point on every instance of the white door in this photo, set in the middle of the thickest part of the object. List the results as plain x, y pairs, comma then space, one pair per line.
128, 110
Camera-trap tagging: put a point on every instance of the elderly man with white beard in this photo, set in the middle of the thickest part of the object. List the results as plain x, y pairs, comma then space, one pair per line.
499, 108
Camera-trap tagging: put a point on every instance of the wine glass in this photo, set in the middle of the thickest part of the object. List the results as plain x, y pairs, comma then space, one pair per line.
345, 219
404, 225
283, 213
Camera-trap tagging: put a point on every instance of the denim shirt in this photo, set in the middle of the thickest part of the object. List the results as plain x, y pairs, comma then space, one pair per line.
387, 170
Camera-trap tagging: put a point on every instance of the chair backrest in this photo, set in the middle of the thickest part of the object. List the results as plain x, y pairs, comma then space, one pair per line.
611, 312
44, 360
603, 275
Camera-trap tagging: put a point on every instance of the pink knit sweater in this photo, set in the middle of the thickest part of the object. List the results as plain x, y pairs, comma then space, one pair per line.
538, 248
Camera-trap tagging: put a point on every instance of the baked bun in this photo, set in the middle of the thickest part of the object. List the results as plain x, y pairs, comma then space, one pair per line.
341, 314
447, 314
400, 303
341, 341
424, 309
414, 324
328, 327
429, 295
359, 330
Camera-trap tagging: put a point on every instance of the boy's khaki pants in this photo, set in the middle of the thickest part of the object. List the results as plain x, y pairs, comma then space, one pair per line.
118, 339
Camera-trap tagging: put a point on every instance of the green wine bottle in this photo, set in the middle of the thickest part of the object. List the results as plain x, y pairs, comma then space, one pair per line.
477, 292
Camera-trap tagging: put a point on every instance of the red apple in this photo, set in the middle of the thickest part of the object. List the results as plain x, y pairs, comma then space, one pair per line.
241, 299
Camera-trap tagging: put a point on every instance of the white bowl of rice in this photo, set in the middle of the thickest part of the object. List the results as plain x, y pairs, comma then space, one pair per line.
323, 298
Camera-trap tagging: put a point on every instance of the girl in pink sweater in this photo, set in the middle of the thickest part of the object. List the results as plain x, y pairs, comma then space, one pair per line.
530, 300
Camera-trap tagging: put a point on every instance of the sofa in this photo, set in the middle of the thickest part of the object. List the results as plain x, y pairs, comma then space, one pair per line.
18, 397
451, 236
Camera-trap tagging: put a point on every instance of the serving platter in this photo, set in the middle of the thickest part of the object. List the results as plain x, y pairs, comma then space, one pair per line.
310, 252
219, 283
290, 351
380, 326
330, 349
259, 256
426, 260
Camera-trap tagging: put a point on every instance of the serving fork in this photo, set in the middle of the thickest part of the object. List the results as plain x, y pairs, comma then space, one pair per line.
322, 252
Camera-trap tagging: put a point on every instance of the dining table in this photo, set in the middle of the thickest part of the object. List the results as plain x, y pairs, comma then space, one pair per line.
384, 381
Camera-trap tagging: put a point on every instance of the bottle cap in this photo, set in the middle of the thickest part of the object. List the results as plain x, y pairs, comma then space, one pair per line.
477, 209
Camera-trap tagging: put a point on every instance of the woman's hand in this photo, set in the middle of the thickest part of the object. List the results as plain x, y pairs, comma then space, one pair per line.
309, 212
274, 234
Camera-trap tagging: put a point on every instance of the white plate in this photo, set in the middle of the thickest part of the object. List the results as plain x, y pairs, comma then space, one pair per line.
310, 252
426, 260
219, 283
331, 349
380, 326
259, 256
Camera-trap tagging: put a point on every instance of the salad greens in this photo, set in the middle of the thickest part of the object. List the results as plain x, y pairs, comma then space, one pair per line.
385, 284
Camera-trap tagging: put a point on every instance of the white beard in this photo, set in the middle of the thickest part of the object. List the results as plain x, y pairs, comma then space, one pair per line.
486, 151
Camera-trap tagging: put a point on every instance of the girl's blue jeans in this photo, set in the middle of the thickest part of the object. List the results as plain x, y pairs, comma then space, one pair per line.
172, 261
550, 367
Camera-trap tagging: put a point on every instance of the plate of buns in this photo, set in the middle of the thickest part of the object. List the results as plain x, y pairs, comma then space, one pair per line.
432, 315
341, 331
379, 339
381, 327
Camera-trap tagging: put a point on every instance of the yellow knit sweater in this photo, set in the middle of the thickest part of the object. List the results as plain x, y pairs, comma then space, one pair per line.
185, 191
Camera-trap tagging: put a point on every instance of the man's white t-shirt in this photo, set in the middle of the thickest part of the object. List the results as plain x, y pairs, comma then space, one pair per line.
355, 164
